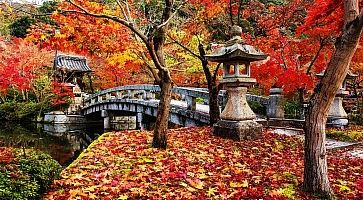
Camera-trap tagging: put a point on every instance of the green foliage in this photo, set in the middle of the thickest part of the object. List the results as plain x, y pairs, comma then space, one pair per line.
199, 100
351, 135
19, 28
27, 177
257, 107
21, 187
356, 119
288, 192
273, 2
23, 111
292, 109
47, 7
42, 168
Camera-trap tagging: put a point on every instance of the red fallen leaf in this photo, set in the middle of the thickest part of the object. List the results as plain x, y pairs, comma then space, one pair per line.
114, 183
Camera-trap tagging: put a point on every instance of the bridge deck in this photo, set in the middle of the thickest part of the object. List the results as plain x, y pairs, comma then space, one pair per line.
199, 107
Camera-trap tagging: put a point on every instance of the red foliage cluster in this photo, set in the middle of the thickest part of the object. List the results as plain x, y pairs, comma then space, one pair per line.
197, 165
6, 155
63, 94
21, 62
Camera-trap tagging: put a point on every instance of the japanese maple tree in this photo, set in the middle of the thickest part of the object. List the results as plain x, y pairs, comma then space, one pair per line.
21, 64
348, 28
150, 30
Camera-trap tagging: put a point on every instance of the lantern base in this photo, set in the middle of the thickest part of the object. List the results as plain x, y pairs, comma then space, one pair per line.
238, 130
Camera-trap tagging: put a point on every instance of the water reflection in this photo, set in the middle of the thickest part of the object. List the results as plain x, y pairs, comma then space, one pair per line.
63, 142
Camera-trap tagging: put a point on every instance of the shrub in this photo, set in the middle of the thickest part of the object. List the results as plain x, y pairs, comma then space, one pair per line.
292, 109
26, 110
23, 111
257, 107
18, 188
41, 167
356, 119
27, 176
7, 111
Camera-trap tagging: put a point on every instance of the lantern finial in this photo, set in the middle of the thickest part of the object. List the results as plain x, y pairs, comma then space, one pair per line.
236, 31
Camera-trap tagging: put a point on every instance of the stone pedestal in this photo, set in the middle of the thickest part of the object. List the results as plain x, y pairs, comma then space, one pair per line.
337, 116
139, 121
238, 130
275, 108
238, 120
106, 120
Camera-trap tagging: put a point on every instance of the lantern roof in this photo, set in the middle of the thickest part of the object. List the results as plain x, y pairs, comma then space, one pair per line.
236, 49
350, 75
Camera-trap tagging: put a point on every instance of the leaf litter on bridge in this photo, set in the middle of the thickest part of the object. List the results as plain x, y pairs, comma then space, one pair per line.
122, 165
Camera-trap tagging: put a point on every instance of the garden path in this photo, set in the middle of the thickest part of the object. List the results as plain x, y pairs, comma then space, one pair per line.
330, 143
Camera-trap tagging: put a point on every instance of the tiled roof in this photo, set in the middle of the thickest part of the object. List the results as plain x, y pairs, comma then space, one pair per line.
72, 63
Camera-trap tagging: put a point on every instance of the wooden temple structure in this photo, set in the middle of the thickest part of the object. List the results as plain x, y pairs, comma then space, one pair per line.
71, 71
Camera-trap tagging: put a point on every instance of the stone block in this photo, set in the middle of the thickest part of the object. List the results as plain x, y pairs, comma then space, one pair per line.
238, 130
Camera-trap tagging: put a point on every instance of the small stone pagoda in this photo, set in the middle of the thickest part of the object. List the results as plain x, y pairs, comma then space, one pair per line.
237, 119
337, 116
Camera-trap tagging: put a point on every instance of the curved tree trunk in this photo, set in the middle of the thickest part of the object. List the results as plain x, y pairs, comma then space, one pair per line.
162, 118
315, 168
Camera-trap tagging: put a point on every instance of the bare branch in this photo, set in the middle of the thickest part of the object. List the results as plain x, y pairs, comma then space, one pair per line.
169, 19
230, 12
150, 45
122, 9
239, 12
128, 10
185, 48
322, 44
149, 66
126, 23
216, 72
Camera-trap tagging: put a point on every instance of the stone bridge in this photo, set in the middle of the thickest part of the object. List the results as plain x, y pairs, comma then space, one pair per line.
189, 106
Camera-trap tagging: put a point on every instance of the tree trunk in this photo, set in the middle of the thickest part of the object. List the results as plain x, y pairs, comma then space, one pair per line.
162, 118
315, 168
90, 83
214, 112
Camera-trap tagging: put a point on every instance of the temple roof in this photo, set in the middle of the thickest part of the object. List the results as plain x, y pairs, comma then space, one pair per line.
72, 63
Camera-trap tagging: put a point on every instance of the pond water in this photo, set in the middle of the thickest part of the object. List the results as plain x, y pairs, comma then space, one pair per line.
63, 142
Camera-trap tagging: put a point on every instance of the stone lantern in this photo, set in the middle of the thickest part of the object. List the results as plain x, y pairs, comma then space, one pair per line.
337, 116
237, 119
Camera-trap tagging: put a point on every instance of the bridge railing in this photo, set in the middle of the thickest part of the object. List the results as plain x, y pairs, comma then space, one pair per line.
148, 92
